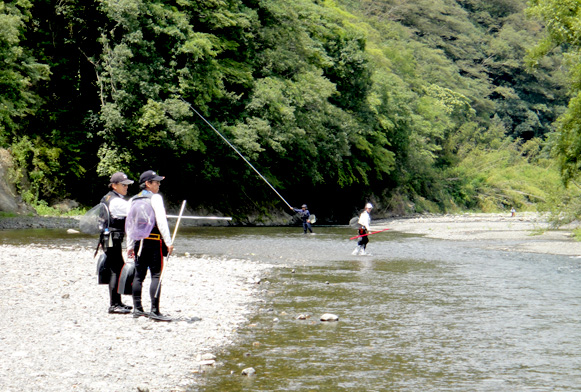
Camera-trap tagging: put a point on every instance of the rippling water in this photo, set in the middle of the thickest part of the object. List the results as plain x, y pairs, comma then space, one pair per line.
416, 315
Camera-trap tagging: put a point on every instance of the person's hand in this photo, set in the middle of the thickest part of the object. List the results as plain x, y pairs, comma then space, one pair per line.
169, 250
131, 253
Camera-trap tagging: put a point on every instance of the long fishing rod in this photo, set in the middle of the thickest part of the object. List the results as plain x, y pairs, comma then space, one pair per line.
364, 235
238, 152
175, 230
228, 218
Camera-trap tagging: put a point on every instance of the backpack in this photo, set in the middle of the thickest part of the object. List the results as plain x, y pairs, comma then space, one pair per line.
140, 219
95, 220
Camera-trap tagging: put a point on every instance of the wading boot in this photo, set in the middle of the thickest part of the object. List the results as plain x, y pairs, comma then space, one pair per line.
119, 309
155, 313
157, 316
137, 308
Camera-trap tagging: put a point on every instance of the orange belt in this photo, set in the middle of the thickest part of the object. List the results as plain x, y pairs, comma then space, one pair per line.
153, 236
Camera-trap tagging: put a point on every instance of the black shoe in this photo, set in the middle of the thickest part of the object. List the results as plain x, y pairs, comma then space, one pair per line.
157, 316
117, 309
122, 305
139, 313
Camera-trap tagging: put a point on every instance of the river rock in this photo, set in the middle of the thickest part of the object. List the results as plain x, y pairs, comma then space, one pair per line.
9, 200
207, 357
329, 317
249, 372
207, 362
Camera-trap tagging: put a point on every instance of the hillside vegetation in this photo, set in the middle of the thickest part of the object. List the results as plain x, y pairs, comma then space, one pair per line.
425, 105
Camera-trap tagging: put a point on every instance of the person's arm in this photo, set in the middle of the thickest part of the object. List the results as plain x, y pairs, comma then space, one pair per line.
161, 218
130, 242
118, 207
364, 220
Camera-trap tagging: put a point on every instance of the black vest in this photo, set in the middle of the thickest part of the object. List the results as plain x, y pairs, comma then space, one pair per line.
115, 224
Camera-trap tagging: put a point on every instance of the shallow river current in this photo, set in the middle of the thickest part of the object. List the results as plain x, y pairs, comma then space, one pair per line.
417, 314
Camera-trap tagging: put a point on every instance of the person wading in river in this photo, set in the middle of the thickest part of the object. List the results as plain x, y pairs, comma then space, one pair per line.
364, 223
305, 215
149, 252
112, 236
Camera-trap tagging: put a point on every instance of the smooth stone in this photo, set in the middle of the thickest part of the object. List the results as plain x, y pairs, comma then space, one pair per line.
329, 317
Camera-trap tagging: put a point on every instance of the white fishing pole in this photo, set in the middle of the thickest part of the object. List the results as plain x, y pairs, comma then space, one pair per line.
238, 152
175, 230
202, 217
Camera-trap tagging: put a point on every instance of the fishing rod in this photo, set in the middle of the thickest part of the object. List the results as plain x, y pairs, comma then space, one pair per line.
175, 230
201, 217
363, 235
238, 152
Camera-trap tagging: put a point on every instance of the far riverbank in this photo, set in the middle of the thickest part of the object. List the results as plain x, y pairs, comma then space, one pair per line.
526, 232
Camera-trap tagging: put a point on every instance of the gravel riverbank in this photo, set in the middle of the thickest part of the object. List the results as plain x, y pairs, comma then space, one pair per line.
56, 333
526, 232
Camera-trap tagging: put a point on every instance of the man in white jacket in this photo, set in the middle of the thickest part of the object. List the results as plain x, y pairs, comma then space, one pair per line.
364, 223
149, 252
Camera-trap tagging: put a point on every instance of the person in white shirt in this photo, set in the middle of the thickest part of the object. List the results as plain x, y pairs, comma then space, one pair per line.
113, 234
149, 252
364, 223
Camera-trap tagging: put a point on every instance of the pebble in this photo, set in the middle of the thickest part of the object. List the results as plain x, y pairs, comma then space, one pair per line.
329, 317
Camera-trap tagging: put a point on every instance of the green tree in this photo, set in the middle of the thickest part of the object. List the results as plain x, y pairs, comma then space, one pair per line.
20, 72
562, 22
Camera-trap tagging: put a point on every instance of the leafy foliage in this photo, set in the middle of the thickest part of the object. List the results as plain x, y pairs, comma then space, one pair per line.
19, 72
394, 101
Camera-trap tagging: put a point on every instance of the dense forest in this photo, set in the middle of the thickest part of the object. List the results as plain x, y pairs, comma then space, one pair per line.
416, 105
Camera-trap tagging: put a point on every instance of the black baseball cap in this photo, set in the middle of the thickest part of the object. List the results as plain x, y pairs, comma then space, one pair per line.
149, 175
121, 178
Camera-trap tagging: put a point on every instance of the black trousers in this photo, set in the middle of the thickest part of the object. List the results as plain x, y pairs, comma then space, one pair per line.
363, 240
150, 258
115, 263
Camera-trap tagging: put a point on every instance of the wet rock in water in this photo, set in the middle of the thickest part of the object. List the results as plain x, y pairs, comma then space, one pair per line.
303, 316
248, 372
72, 231
207, 362
207, 357
329, 317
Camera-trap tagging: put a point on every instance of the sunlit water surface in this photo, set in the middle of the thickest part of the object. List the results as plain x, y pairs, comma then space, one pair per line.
417, 315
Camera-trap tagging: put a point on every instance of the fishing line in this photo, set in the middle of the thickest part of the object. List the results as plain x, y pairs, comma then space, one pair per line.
238, 152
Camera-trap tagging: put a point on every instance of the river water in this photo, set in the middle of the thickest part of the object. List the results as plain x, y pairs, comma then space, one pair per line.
418, 314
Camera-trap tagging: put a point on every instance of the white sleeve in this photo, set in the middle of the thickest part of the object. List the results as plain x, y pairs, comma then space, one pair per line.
118, 207
365, 220
161, 218
130, 241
